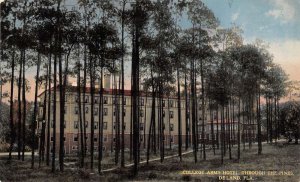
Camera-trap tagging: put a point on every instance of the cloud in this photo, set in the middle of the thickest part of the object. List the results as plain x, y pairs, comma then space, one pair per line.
235, 16
283, 10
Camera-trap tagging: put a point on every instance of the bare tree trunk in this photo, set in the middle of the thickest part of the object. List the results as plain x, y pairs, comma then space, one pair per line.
54, 112
34, 118
19, 105
212, 127
81, 125
100, 144
43, 135
24, 107
135, 94
49, 113
243, 130
84, 98
239, 134
11, 110
179, 116
122, 91
152, 120
222, 135
169, 122
187, 126
203, 107
92, 81
145, 119
259, 140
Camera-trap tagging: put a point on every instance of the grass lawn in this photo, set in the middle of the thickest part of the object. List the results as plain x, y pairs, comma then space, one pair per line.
279, 162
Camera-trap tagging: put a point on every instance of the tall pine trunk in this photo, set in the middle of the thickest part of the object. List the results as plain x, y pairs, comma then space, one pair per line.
179, 116
35, 110
49, 112
19, 105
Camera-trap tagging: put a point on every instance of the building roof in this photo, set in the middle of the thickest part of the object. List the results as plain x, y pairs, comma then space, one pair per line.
105, 91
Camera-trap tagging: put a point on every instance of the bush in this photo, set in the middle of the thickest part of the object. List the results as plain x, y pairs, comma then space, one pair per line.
84, 174
152, 175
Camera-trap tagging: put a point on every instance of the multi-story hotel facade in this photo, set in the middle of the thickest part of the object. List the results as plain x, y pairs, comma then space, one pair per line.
72, 124
170, 119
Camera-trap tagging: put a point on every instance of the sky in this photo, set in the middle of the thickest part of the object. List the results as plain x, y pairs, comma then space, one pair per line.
277, 22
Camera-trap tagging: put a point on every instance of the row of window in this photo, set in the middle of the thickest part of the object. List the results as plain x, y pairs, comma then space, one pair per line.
96, 124
105, 139
105, 112
115, 101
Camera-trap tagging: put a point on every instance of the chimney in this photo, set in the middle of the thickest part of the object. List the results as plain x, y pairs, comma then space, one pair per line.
106, 84
97, 83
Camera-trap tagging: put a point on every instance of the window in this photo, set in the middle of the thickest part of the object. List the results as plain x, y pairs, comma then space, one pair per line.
141, 138
171, 114
142, 102
124, 101
141, 113
114, 125
124, 126
124, 113
86, 124
171, 127
76, 98
51, 139
164, 103
86, 99
141, 126
76, 110
105, 138
163, 113
104, 125
105, 111
171, 103
172, 139
96, 100
215, 116
114, 101
74, 147
75, 124
105, 100
95, 139
96, 125
87, 110
75, 138
96, 111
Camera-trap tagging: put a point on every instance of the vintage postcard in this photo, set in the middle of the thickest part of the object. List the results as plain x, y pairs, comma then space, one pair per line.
150, 90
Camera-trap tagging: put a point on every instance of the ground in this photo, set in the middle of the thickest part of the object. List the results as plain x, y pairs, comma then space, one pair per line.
279, 162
